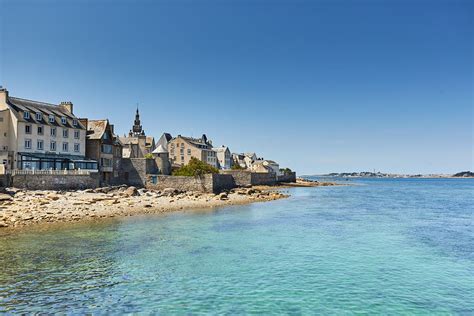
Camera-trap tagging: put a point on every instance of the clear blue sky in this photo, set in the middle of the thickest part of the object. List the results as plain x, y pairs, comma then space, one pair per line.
318, 86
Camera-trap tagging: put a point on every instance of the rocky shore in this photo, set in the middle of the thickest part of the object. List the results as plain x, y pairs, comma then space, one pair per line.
22, 208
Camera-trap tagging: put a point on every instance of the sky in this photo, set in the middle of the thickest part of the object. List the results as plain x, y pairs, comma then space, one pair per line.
318, 86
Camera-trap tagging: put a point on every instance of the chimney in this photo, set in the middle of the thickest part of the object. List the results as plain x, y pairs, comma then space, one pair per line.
67, 105
3, 95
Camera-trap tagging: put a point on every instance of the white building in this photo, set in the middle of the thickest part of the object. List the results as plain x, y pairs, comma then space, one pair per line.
38, 135
224, 157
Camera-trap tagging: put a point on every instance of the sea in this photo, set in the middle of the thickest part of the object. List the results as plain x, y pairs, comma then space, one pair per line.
371, 246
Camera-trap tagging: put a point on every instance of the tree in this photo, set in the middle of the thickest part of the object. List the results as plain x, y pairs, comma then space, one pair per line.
286, 171
148, 156
194, 168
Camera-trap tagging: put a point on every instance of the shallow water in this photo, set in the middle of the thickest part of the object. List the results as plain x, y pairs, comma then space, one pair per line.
383, 246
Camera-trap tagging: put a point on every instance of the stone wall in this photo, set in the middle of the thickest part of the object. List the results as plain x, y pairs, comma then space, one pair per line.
242, 178
135, 170
290, 177
209, 183
55, 182
246, 178
263, 178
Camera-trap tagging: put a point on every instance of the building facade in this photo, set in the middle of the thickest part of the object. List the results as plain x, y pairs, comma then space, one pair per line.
224, 157
137, 144
181, 149
104, 146
266, 166
41, 136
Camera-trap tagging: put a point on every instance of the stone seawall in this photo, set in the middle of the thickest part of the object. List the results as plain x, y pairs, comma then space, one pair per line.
209, 183
247, 178
290, 177
55, 182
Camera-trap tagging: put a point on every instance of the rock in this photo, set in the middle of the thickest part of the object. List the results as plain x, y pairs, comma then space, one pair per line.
148, 205
170, 192
3, 224
223, 196
131, 191
53, 196
5, 197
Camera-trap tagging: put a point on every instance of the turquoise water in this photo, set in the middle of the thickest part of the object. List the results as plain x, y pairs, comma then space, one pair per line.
384, 246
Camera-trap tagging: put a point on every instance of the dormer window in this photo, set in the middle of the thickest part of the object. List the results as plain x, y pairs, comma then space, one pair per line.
74, 122
26, 115
39, 116
63, 120
51, 118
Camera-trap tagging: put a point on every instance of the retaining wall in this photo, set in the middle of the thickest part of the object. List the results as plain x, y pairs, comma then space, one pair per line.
209, 183
290, 177
54, 182
134, 171
247, 178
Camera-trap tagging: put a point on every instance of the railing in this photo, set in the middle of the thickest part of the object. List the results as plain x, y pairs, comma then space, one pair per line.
50, 172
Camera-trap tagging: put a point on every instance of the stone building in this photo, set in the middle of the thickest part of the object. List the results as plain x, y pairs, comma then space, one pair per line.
266, 166
41, 136
224, 157
137, 144
181, 149
244, 160
104, 146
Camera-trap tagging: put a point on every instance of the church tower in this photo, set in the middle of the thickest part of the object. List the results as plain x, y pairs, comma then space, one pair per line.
137, 129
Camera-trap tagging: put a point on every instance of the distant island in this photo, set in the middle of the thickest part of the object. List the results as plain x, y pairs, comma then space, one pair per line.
370, 174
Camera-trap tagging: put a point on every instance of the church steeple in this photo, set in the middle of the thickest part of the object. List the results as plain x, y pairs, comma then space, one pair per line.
137, 129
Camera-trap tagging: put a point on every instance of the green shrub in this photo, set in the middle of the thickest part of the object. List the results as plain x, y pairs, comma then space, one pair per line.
149, 156
195, 167
286, 171
236, 166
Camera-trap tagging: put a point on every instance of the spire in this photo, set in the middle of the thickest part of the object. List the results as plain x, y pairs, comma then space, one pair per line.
137, 127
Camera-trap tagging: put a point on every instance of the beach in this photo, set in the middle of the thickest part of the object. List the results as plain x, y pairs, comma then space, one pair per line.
21, 208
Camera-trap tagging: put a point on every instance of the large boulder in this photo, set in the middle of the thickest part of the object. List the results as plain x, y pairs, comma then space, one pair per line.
131, 191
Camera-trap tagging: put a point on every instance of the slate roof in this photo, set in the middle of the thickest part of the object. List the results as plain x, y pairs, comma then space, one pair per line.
96, 128
19, 106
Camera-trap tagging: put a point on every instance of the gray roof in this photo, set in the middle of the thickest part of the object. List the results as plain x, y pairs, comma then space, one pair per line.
19, 106
160, 150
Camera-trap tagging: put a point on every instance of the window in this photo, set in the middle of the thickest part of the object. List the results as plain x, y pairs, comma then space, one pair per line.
106, 149
172, 152
106, 162
181, 151
63, 120
74, 122
65, 146
40, 130
172, 145
51, 118
1, 119
189, 151
39, 145
77, 133
53, 131
39, 116
182, 145
26, 115
27, 143
65, 133
52, 146
182, 158
27, 129
77, 147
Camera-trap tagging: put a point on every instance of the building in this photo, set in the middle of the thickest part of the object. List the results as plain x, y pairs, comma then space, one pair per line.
41, 136
266, 166
104, 146
181, 149
137, 144
224, 157
244, 160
